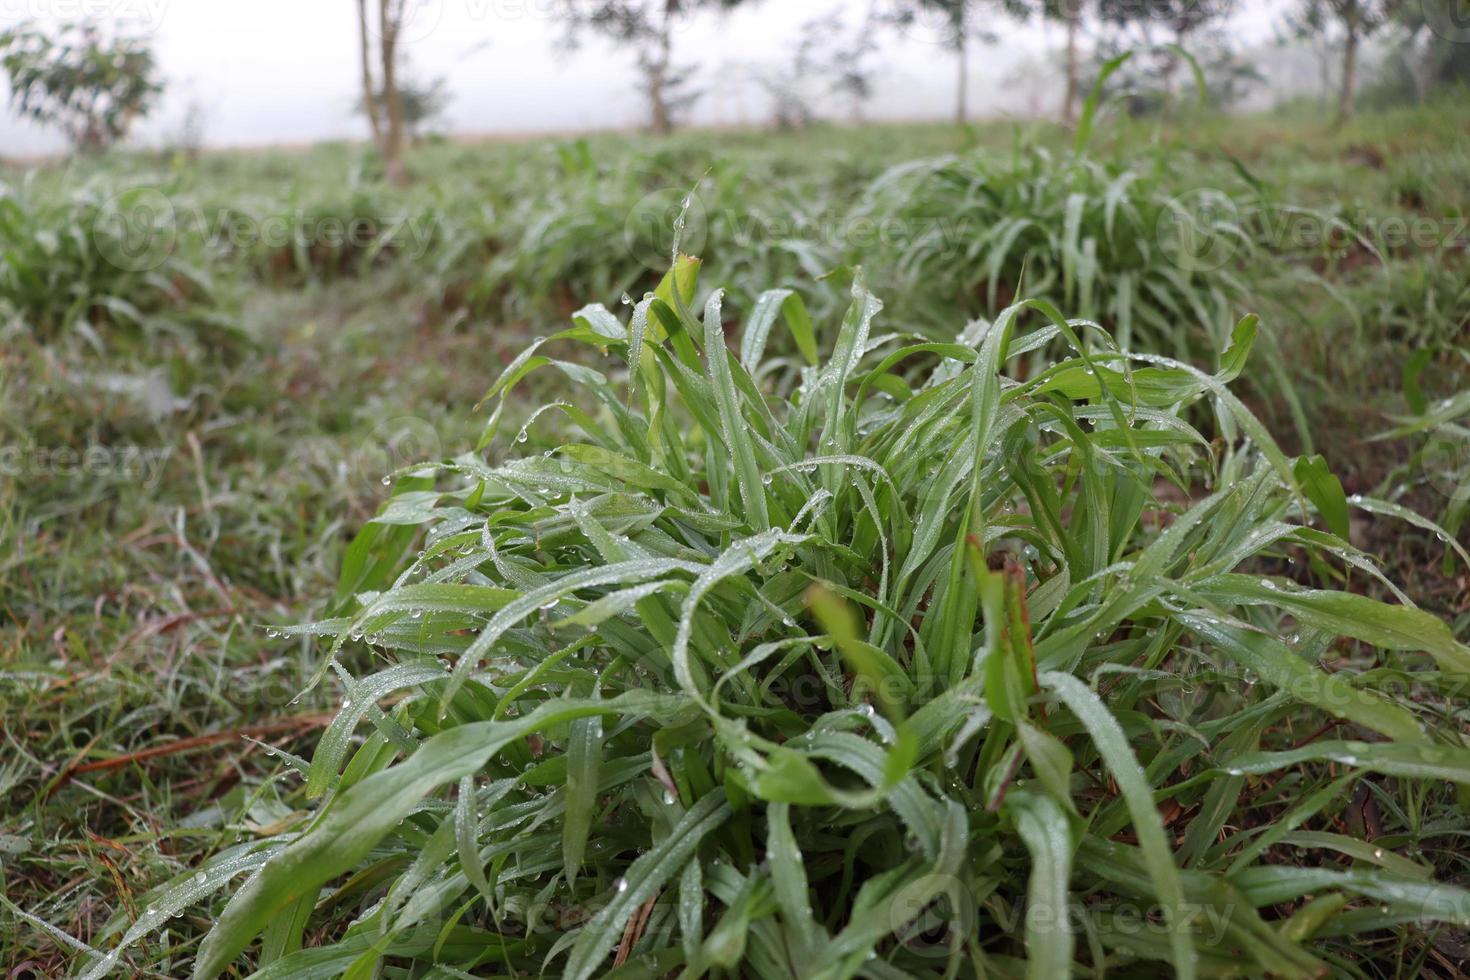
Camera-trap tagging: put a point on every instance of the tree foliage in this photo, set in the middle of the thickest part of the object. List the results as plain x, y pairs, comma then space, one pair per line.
1165, 35
648, 27
958, 22
90, 86
423, 102
832, 59
382, 95
1354, 21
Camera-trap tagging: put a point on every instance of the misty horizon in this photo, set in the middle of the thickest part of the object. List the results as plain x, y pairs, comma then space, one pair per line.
303, 85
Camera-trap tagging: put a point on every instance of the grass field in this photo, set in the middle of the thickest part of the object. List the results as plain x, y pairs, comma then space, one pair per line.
955, 594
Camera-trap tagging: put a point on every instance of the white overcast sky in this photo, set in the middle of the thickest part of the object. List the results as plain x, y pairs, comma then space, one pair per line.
286, 71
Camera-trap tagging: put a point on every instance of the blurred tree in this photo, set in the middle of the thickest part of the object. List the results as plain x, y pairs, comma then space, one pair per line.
423, 102
1164, 36
831, 58
1429, 57
958, 23
1072, 14
648, 26
383, 101
1356, 20
1423, 58
1180, 22
90, 86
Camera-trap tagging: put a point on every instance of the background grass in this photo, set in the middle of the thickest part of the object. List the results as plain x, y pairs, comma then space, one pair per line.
267, 377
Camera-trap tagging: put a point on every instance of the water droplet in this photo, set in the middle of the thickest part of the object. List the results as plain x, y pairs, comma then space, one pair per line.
622, 885
200, 878
387, 481
668, 798
1378, 853
1267, 584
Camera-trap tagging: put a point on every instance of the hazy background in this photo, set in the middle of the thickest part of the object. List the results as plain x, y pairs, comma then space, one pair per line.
286, 71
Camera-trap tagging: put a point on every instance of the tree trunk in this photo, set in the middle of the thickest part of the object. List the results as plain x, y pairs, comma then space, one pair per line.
658, 74
369, 90
962, 52
393, 138
1171, 65
662, 118
1347, 96
1069, 100
1419, 65
1324, 75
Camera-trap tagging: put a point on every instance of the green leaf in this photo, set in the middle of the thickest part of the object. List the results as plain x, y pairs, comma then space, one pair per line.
1112, 745
646, 876
1044, 828
1324, 490
1410, 760
357, 819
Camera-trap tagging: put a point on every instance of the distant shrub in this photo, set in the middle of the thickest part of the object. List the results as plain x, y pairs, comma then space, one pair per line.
99, 260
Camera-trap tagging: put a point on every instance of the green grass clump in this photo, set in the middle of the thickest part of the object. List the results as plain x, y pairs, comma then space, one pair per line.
327, 234
601, 227
1132, 246
880, 664
102, 259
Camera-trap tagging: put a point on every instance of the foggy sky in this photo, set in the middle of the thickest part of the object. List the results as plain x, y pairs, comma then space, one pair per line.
286, 71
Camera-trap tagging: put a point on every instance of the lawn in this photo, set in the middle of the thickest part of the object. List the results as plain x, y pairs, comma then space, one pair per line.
1061, 566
